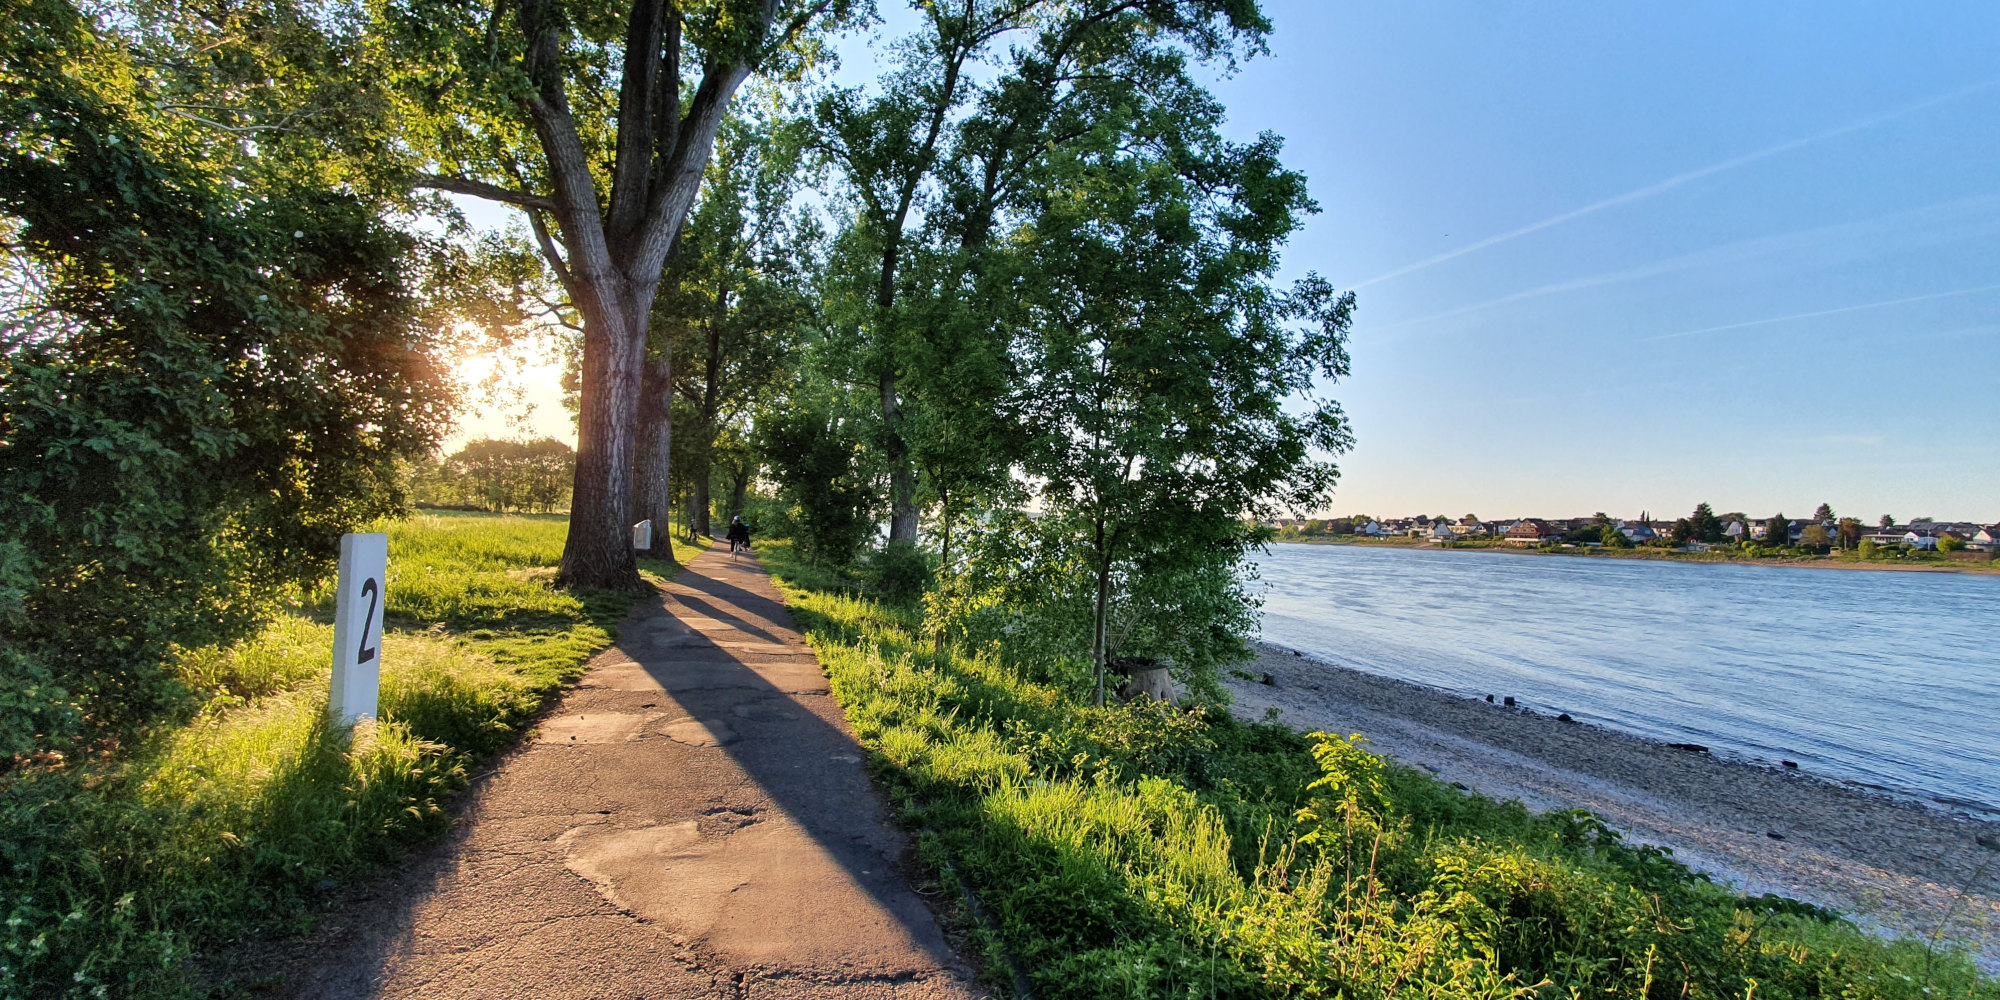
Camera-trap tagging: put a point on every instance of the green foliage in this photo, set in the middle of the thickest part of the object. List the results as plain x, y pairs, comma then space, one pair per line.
899, 572
1848, 530
734, 301
1707, 527
814, 444
1950, 543
1777, 532
1027, 584
215, 355
1143, 850
234, 820
1868, 549
1683, 531
1816, 538
498, 475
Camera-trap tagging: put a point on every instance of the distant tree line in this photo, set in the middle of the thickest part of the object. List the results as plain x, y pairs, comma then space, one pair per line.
498, 476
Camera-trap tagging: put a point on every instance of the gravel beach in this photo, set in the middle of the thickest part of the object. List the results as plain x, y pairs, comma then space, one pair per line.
1896, 866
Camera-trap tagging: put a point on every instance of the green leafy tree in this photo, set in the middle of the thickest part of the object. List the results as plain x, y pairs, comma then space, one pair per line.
1707, 527
938, 153
1170, 390
1948, 542
1823, 514
1849, 531
732, 309
500, 475
217, 356
591, 119
813, 440
1683, 532
1886, 522
1816, 538
1778, 531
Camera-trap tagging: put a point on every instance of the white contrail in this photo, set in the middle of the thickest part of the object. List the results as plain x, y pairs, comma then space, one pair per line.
1822, 312
1740, 250
1674, 182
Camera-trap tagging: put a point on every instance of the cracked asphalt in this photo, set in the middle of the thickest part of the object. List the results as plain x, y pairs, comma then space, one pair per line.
692, 820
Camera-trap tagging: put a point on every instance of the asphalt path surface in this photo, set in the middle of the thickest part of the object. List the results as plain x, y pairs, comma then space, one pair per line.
692, 820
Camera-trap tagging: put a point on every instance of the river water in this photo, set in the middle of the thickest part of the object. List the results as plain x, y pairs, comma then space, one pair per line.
1886, 679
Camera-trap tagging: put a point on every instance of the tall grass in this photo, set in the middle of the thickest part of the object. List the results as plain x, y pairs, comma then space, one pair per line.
238, 818
1146, 851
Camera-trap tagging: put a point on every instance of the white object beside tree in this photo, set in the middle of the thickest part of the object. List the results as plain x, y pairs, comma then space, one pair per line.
642, 535
357, 627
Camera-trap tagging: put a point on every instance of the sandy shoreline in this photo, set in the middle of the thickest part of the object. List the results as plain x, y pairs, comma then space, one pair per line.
1896, 865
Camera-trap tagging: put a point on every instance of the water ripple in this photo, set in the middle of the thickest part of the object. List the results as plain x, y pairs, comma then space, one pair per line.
1891, 679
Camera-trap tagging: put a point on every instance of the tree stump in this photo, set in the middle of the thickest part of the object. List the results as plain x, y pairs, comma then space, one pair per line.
1144, 678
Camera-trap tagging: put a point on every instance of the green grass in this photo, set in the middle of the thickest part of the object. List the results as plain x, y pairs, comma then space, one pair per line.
1147, 851
239, 818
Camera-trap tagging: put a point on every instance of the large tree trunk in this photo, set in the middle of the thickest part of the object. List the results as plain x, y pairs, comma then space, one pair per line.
739, 485
598, 552
652, 494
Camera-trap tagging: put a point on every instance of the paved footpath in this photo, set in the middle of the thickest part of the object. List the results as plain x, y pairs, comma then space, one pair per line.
693, 820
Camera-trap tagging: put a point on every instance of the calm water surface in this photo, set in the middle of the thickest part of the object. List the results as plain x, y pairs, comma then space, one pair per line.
1887, 679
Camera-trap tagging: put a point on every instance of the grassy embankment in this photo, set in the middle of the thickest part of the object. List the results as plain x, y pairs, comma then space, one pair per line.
1145, 851
240, 816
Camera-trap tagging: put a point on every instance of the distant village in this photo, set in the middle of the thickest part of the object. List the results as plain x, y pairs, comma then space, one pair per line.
1699, 532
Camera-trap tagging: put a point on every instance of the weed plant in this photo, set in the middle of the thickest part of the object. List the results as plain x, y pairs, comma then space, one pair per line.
239, 818
1158, 851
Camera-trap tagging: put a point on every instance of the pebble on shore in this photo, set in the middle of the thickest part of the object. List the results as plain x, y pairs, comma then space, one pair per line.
1892, 864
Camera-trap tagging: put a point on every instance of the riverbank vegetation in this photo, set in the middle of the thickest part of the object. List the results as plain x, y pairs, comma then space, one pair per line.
1866, 557
1014, 384
1152, 850
240, 809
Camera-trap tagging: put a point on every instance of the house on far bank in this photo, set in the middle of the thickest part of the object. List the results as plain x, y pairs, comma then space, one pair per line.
1441, 532
1921, 536
1736, 531
1531, 531
1637, 532
1373, 529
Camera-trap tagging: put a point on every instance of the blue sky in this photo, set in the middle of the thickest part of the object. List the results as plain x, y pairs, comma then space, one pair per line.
1626, 257
1622, 257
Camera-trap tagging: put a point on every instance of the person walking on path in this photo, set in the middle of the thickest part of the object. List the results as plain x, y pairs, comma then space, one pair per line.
739, 536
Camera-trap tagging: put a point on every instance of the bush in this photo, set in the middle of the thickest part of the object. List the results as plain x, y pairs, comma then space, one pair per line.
234, 820
211, 365
1144, 850
899, 573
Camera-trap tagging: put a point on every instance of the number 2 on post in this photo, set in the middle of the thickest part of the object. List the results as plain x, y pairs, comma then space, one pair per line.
365, 653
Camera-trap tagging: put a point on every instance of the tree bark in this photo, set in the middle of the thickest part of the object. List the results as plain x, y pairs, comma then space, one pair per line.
739, 485
1098, 653
701, 474
612, 249
652, 496
902, 477
598, 552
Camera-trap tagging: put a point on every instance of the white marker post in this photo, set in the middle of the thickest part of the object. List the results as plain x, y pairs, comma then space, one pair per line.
357, 627
642, 535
